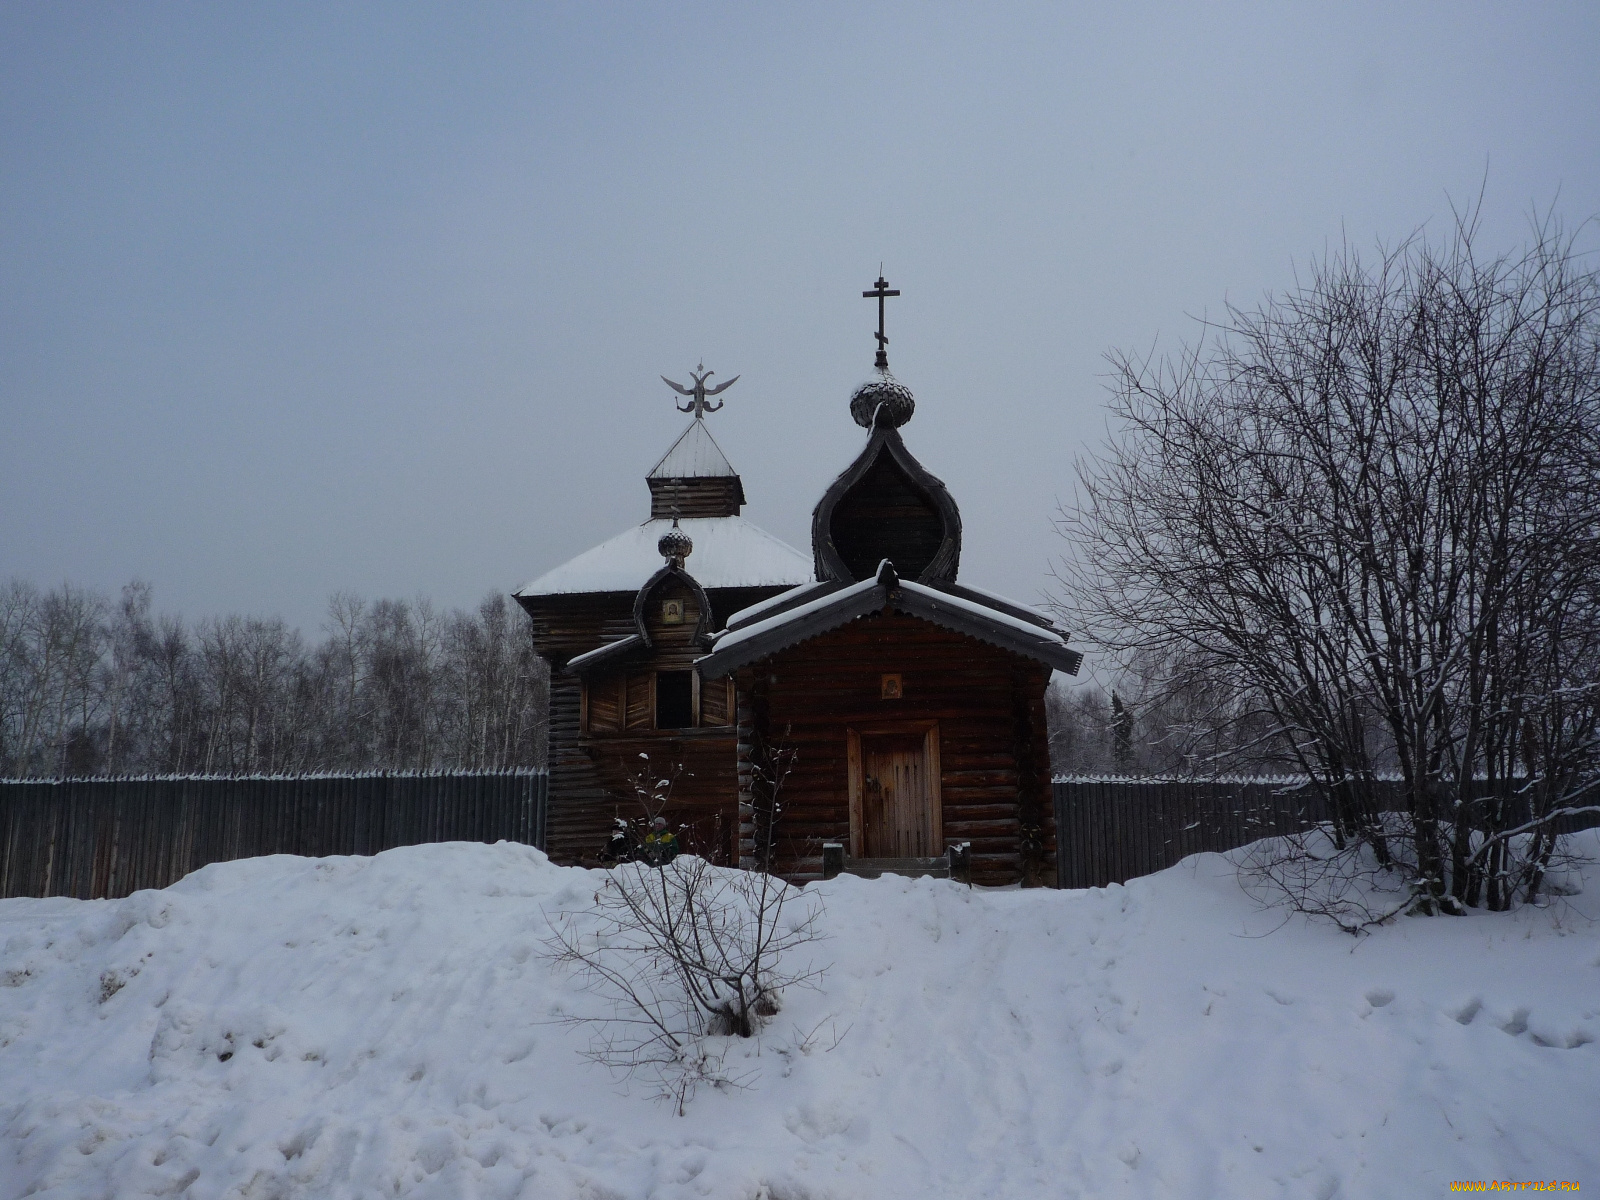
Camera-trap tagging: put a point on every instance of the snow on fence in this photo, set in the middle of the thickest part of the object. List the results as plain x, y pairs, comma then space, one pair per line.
107, 838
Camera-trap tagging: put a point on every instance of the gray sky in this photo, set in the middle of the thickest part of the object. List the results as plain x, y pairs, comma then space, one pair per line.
296, 299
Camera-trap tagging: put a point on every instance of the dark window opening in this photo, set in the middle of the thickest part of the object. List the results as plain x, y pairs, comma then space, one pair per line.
674, 699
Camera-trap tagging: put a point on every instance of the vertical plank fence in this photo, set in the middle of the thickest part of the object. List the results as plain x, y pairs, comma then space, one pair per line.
1113, 830
107, 838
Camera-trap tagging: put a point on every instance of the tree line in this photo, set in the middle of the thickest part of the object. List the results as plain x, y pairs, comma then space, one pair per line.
91, 685
1354, 532
1145, 715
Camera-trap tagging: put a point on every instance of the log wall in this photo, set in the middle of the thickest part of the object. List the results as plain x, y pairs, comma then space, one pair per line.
988, 702
716, 496
590, 784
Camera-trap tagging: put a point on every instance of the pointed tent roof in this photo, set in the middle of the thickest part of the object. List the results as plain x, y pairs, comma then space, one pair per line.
729, 551
695, 455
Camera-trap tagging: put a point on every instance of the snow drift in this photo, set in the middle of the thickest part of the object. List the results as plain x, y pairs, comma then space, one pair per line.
390, 1027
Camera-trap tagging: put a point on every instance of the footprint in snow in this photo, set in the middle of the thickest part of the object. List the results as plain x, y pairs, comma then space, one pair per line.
1545, 1035
1468, 1012
1551, 1040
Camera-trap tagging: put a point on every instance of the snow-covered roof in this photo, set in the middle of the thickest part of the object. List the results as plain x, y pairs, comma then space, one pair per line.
728, 552
994, 599
735, 647
695, 455
842, 599
942, 599
783, 601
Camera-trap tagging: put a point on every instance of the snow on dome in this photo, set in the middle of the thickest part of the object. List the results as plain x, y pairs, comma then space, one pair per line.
695, 455
728, 552
882, 400
675, 544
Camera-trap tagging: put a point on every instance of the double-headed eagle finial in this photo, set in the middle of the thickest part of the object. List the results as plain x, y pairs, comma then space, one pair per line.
699, 392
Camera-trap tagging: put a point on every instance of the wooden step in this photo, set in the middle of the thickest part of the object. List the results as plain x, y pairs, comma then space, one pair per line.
955, 863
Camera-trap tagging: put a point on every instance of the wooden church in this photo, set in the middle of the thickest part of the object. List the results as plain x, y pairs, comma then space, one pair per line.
861, 697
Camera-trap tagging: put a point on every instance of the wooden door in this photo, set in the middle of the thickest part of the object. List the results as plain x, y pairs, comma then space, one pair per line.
895, 783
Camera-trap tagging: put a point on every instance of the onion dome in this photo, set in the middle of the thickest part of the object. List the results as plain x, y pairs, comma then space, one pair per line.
675, 545
882, 402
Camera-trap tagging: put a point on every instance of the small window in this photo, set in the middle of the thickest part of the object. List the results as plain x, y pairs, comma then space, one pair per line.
674, 699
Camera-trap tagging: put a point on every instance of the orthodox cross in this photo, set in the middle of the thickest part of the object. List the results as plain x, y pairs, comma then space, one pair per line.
698, 393
881, 289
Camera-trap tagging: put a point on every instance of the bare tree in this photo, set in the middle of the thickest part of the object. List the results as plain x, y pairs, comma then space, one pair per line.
1159, 714
19, 601
1373, 505
497, 686
88, 687
53, 643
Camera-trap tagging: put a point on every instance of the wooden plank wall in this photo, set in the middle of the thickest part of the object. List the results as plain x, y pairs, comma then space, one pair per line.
106, 838
713, 496
581, 807
1035, 811
884, 516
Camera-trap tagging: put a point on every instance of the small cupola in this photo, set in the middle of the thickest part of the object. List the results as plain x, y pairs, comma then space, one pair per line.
694, 477
675, 545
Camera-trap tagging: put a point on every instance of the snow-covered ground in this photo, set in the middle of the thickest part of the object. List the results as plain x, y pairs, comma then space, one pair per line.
384, 1027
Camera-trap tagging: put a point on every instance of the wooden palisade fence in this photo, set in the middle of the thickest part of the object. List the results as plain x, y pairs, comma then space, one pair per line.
107, 838
1114, 830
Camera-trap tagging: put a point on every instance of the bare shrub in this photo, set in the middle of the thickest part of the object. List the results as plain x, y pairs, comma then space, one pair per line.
1353, 886
683, 955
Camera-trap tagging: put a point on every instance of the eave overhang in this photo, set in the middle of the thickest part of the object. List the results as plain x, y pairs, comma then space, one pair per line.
782, 602
609, 655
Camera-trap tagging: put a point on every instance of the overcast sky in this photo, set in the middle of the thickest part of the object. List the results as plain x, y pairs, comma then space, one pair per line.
297, 299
